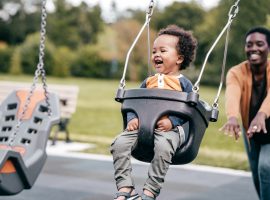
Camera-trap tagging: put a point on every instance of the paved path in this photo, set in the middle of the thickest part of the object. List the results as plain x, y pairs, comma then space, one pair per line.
75, 176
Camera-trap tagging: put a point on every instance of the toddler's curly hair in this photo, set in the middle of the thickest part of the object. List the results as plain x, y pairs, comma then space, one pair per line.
186, 46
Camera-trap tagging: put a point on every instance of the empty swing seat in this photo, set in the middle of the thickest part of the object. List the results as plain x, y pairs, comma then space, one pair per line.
22, 151
151, 104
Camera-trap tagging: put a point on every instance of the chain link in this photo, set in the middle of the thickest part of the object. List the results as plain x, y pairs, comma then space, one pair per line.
232, 14
233, 11
40, 71
215, 104
150, 10
149, 13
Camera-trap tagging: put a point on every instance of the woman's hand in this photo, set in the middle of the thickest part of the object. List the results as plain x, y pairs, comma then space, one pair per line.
164, 124
133, 125
231, 127
257, 124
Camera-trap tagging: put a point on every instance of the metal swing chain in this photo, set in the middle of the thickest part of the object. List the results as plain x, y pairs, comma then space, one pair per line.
149, 51
215, 104
148, 18
232, 14
39, 71
149, 14
40, 67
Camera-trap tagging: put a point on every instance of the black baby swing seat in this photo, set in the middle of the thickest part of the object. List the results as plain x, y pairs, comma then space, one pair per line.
151, 104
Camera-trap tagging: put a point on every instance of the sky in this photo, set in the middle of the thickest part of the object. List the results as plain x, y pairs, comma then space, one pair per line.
140, 4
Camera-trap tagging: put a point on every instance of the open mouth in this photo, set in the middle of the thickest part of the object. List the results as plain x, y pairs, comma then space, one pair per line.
158, 62
254, 56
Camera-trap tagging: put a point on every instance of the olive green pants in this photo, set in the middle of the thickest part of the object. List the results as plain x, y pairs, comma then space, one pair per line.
166, 144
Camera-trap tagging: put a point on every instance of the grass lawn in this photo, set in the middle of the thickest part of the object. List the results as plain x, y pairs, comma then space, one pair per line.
98, 120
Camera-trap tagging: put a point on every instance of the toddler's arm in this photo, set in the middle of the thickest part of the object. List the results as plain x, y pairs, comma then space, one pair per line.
133, 124
176, 121
164, 124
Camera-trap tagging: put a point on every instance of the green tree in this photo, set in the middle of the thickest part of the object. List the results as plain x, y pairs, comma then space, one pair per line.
107, 46
186, 15
138, 62
29, 54
74, 26
63, 57
89, 63
16, 25
15, 65
5, 54
268, 21
251, 13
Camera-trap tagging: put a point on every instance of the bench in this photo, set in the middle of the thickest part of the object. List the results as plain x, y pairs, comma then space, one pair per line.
68, 95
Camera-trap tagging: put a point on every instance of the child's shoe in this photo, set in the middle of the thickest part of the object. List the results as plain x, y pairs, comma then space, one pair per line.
146, 197
127, 195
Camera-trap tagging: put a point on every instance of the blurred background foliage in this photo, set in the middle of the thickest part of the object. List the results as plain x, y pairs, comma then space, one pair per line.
80, 43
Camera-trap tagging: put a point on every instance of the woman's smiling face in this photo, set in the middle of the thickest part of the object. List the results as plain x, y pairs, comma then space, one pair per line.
256, 48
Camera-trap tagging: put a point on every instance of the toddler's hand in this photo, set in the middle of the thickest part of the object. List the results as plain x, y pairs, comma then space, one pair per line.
133, 124
164, 124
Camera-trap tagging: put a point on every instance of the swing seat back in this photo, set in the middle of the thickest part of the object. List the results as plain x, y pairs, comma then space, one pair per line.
22, 159
151, 104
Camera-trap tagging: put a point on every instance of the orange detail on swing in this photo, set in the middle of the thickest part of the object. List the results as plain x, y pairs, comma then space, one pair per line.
36, 97
8, 166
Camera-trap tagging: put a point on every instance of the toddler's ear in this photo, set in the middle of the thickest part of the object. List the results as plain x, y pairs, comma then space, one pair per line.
180, 59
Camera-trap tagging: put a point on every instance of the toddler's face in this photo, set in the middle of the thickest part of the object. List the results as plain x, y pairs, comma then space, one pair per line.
165, 57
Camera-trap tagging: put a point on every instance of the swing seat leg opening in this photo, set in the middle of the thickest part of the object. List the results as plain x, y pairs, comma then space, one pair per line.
10, 180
